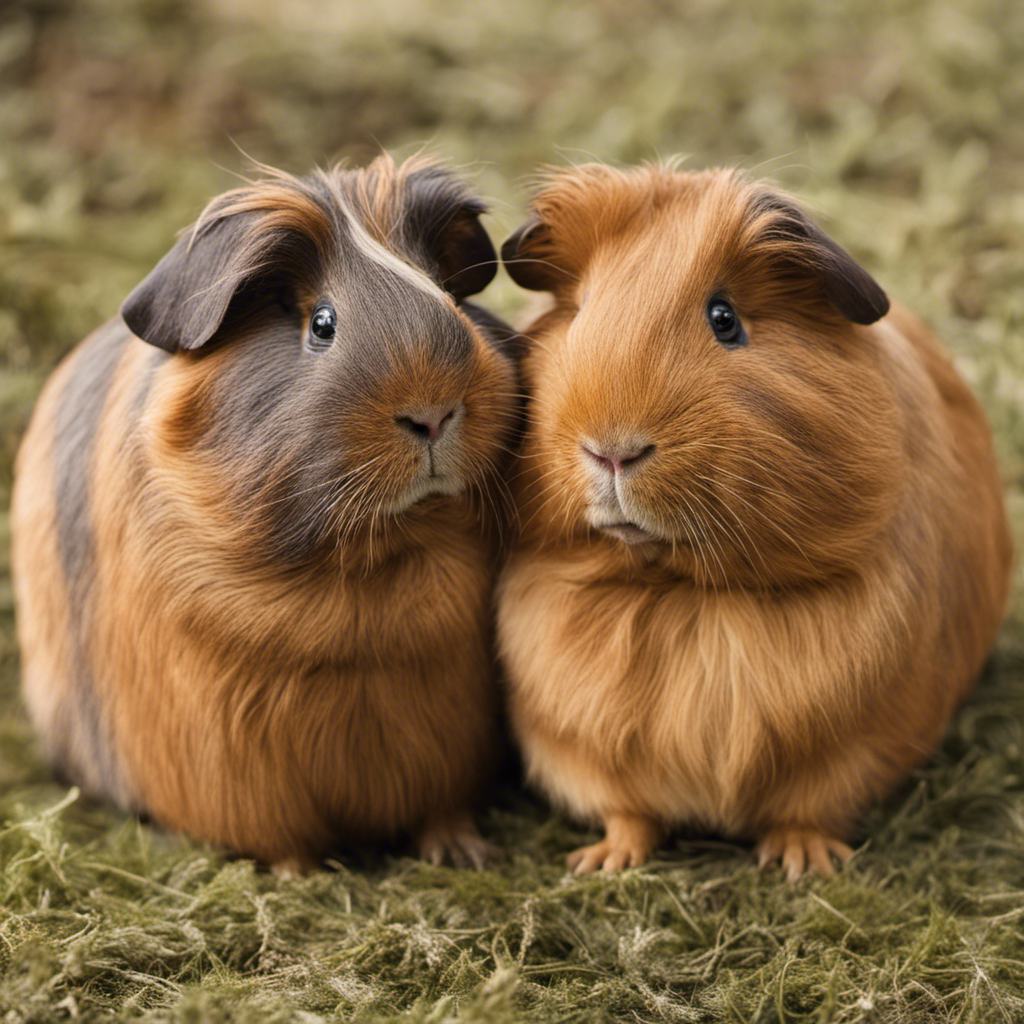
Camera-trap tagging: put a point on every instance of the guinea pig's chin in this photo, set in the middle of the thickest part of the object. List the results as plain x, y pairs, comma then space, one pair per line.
616, 524
422, 488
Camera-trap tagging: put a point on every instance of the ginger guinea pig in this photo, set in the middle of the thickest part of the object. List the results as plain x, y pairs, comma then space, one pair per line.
764, 550
254, 557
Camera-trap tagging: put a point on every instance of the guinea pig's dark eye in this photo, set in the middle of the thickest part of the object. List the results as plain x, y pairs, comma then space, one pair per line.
725, 323
322, 325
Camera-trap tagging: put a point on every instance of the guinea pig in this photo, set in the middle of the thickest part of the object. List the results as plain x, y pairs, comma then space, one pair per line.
763, 550
255, 524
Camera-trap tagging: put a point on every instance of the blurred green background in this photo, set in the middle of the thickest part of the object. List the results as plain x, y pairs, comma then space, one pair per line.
900, 122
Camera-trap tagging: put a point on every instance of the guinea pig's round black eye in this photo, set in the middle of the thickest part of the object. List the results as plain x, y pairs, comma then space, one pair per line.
323, 323
725, 323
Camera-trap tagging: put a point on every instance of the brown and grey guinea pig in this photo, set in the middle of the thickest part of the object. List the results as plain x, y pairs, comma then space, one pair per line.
254, 557
764, 550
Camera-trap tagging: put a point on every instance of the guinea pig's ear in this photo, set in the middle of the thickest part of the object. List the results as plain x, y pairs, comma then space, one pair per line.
443, 219
850, 288
182, 301
465, 254
526, 254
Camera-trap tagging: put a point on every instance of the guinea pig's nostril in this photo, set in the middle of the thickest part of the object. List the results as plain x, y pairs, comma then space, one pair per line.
419, 429
426, 424
603, 461
641, 454
615, 458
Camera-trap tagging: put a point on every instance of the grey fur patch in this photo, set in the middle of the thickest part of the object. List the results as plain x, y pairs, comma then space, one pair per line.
388, 317
84, 742
282, 410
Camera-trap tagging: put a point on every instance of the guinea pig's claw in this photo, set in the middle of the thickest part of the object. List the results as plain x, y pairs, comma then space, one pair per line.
628, 844
800, 850
601, 856
456, 840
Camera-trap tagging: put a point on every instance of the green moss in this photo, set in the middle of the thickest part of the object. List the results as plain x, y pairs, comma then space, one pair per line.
901, 123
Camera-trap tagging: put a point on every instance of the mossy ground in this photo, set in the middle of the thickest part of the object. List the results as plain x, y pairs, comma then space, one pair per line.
900, 121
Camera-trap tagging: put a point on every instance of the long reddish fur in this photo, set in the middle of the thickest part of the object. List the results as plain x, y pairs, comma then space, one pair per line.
791, 665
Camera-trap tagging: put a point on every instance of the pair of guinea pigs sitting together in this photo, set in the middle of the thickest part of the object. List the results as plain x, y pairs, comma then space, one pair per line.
732, 524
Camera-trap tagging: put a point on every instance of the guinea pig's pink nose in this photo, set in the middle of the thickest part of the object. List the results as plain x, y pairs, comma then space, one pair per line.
616, 457
428, 424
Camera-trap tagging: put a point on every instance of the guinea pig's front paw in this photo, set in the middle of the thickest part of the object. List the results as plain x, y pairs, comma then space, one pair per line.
628, 843
456, 840
294, 866
800, 849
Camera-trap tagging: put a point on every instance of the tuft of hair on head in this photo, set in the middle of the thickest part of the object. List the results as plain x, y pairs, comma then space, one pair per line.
419, 214
580, 207
576, 209
417, 219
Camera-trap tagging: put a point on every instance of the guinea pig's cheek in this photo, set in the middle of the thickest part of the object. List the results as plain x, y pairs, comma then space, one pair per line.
490, 413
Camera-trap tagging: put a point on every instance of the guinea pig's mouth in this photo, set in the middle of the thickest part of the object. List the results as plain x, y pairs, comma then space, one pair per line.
628, 532
424, 487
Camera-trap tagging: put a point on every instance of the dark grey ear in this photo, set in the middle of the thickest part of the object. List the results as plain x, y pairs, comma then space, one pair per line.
850, 288
465, 256
182, 301
443, 221
525, 254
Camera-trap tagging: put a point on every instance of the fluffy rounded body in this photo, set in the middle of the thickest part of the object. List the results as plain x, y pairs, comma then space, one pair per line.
228, 620
757, 608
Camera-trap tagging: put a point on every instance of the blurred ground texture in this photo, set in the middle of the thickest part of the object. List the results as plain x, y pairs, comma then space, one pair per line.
900, 121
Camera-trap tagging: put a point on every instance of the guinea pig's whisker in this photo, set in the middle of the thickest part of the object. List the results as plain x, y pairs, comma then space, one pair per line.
349, 493
540, 457
759, 485
323, 484
691, 540
351, 510
769, 519
345, 515
469, 266
537, 510
487, 502
748, 548
705, 546
263, 506
375, 523
348, 522
499, 479
749, 551
708, 484
710, 519
545, 502
771, 494
504, 449
546, 263
509, 503
756, 484
708, 546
